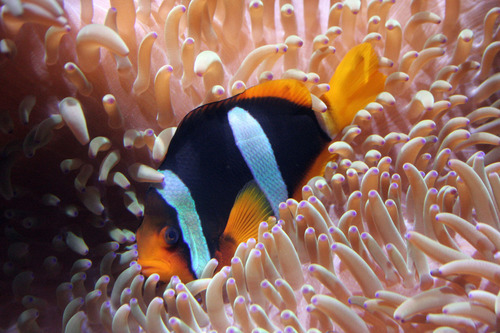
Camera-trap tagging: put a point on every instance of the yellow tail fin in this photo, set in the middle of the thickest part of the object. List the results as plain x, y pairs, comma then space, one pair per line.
355, 83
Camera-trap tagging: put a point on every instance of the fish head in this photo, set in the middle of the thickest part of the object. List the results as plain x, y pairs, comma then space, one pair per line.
160, 243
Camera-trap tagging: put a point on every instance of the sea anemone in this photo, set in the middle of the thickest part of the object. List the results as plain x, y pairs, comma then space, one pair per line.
400, 233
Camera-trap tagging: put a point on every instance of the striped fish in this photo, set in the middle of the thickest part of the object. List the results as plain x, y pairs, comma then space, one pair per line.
230, 164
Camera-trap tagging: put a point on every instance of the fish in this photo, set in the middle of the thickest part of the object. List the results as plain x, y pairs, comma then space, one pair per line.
232, 162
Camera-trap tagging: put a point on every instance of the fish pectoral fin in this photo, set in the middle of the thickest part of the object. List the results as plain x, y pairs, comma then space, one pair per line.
250, 208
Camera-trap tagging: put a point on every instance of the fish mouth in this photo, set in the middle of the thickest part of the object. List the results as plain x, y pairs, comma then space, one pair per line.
152, 266
165, 270
148, 270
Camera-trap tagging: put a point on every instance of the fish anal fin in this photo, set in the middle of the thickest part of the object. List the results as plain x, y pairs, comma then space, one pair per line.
289, 89
317, 168
250, 208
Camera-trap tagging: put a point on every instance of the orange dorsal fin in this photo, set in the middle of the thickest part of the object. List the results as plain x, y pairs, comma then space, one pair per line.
250, 208
356, 82
289, 89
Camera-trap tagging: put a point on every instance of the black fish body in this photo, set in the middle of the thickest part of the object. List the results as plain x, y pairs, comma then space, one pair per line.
204, 155
230, 164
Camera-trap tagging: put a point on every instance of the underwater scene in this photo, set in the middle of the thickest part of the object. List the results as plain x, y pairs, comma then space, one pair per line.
249, 166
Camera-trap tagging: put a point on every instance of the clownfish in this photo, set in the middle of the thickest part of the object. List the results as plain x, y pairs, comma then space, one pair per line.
231, 162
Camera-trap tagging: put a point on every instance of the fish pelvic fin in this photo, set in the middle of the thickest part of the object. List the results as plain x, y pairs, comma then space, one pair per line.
250, 208
356, 82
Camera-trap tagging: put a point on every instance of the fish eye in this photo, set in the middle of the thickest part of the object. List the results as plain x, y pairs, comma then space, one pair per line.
171, 235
